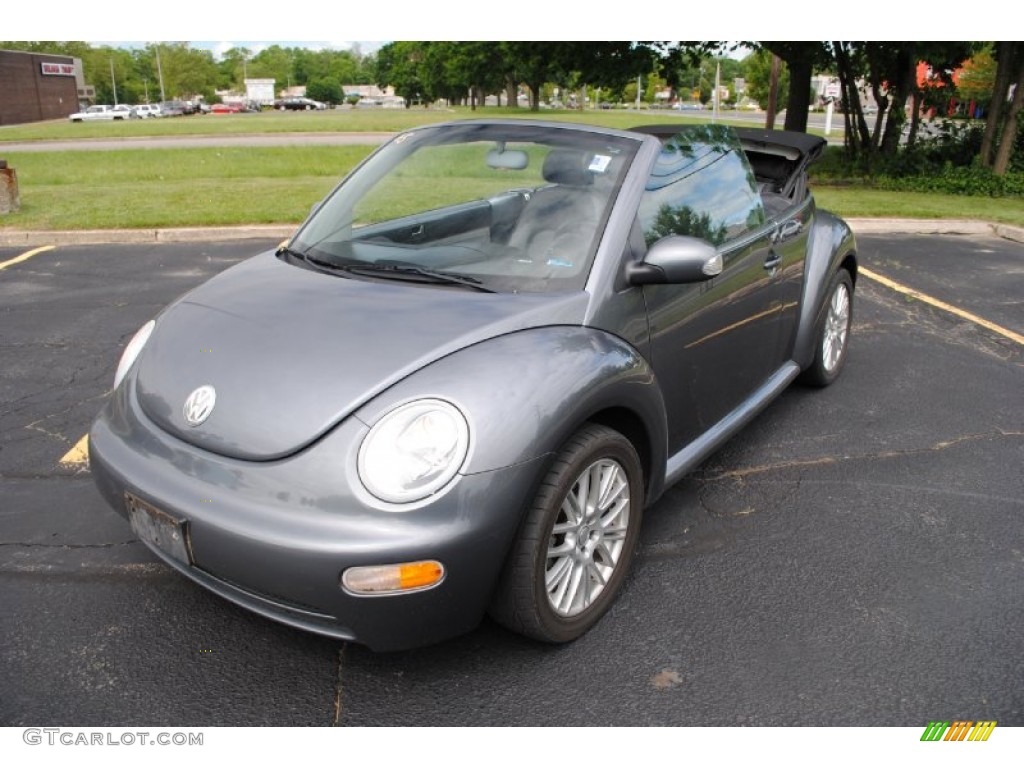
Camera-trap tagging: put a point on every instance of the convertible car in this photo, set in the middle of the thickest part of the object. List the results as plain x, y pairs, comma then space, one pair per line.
457, 387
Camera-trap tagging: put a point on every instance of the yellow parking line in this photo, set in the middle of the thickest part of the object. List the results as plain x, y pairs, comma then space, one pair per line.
78, 455
900, 288
25, 256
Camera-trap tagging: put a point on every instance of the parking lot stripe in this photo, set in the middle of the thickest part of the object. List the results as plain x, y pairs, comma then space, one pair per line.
78, 455
25, 256
907, 291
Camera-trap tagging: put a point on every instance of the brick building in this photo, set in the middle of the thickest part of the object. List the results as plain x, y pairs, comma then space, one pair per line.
37, 86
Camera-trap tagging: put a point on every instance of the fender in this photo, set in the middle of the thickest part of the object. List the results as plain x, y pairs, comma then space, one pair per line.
830, 245
527, 392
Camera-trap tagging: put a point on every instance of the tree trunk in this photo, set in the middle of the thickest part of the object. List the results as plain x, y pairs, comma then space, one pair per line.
511, 91
858, 137
773, 93
1003, 154
901, 90
534, 96
800, 72
1006, 52
882, 102
915, 117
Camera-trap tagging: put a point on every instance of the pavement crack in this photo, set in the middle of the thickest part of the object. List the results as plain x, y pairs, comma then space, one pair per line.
34, 427
942, 445
337, 688
39, 545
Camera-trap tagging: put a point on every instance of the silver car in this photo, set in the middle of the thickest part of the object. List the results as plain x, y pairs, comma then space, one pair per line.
457, 387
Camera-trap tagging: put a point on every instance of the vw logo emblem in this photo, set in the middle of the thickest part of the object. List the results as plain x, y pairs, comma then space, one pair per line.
199, 405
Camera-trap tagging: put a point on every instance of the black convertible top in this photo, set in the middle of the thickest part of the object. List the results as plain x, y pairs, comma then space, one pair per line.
810, 147
779, 158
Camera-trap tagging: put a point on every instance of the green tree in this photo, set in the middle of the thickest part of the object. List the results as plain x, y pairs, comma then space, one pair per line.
802, 60
325, 89
232, 69
757, 68
274, 62
398, 65
1000, 136
978, 78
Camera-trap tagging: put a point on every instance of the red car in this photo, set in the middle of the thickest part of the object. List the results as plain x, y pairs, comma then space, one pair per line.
225, 109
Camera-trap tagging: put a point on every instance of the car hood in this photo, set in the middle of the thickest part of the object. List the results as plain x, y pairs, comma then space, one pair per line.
290, 352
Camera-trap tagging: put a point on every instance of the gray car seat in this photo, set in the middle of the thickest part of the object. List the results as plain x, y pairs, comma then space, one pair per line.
558, 223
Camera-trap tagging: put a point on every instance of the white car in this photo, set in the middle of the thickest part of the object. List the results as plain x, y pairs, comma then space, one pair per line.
105, 112
148, 110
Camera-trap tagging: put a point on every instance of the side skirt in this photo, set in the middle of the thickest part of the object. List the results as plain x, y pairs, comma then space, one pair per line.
693, 454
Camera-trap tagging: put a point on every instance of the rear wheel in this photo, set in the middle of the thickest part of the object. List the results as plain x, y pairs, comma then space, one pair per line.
833, 336
577, 542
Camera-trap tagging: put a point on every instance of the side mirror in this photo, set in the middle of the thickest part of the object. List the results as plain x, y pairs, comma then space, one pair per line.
676, 259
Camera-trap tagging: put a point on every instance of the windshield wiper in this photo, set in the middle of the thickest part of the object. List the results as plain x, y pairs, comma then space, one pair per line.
318, 264
414, 273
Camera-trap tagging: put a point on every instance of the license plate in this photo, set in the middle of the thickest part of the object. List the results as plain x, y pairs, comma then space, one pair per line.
159, 529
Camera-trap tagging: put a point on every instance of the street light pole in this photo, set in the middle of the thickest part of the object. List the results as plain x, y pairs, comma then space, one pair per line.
160, 74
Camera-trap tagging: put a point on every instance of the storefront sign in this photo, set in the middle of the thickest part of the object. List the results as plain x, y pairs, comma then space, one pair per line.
53, 68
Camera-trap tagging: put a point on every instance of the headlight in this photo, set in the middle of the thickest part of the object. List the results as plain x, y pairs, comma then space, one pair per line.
413, 451
131, 352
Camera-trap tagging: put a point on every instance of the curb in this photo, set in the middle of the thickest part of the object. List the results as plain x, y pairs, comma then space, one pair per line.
860, 226
863, 226
142, 236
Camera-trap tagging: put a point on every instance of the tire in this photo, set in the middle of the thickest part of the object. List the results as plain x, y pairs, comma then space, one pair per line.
585, 557
832, 338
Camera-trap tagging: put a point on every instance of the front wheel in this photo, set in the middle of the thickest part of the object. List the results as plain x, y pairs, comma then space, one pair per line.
833, 334
577, 541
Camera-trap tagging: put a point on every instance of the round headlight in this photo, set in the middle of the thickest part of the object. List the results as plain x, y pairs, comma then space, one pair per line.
131, 352
414, 451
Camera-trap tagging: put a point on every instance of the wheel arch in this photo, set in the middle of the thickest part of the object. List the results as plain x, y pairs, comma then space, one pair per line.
832, 246
528, 392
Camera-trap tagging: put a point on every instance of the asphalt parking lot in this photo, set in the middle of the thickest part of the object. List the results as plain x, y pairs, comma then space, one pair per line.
854, 557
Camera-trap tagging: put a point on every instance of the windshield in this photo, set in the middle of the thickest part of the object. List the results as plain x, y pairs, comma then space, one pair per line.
514, 207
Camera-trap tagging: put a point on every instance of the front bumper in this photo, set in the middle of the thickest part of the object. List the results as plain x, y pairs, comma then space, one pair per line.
275, 536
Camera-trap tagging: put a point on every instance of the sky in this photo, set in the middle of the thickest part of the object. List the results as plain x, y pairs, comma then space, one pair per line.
219, 47
229, 24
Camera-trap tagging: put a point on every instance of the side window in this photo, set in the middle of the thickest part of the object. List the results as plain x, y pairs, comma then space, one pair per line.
702, 186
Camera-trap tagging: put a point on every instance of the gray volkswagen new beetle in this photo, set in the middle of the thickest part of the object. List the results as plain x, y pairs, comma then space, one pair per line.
456, 388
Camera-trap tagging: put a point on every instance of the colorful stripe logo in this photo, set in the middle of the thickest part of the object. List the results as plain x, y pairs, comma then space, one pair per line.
959, 730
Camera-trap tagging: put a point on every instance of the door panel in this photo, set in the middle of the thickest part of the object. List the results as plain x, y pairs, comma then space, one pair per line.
714, 343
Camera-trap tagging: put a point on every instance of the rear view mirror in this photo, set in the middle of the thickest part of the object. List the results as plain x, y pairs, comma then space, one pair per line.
507, 160
676, 259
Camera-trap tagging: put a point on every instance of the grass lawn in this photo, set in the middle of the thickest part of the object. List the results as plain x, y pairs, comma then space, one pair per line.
153, 188
224, 186
864, 201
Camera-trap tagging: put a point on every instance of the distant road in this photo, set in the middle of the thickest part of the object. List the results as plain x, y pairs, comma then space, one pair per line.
815, 120
208, 140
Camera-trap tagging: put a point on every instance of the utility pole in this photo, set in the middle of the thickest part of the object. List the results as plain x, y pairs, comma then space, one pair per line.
113, 82
160, 74
718, 86
773, 93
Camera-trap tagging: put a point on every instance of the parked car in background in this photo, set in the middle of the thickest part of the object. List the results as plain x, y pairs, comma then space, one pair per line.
172, 108
458, 386
148, 110
227, 109
300, 103
104, 112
